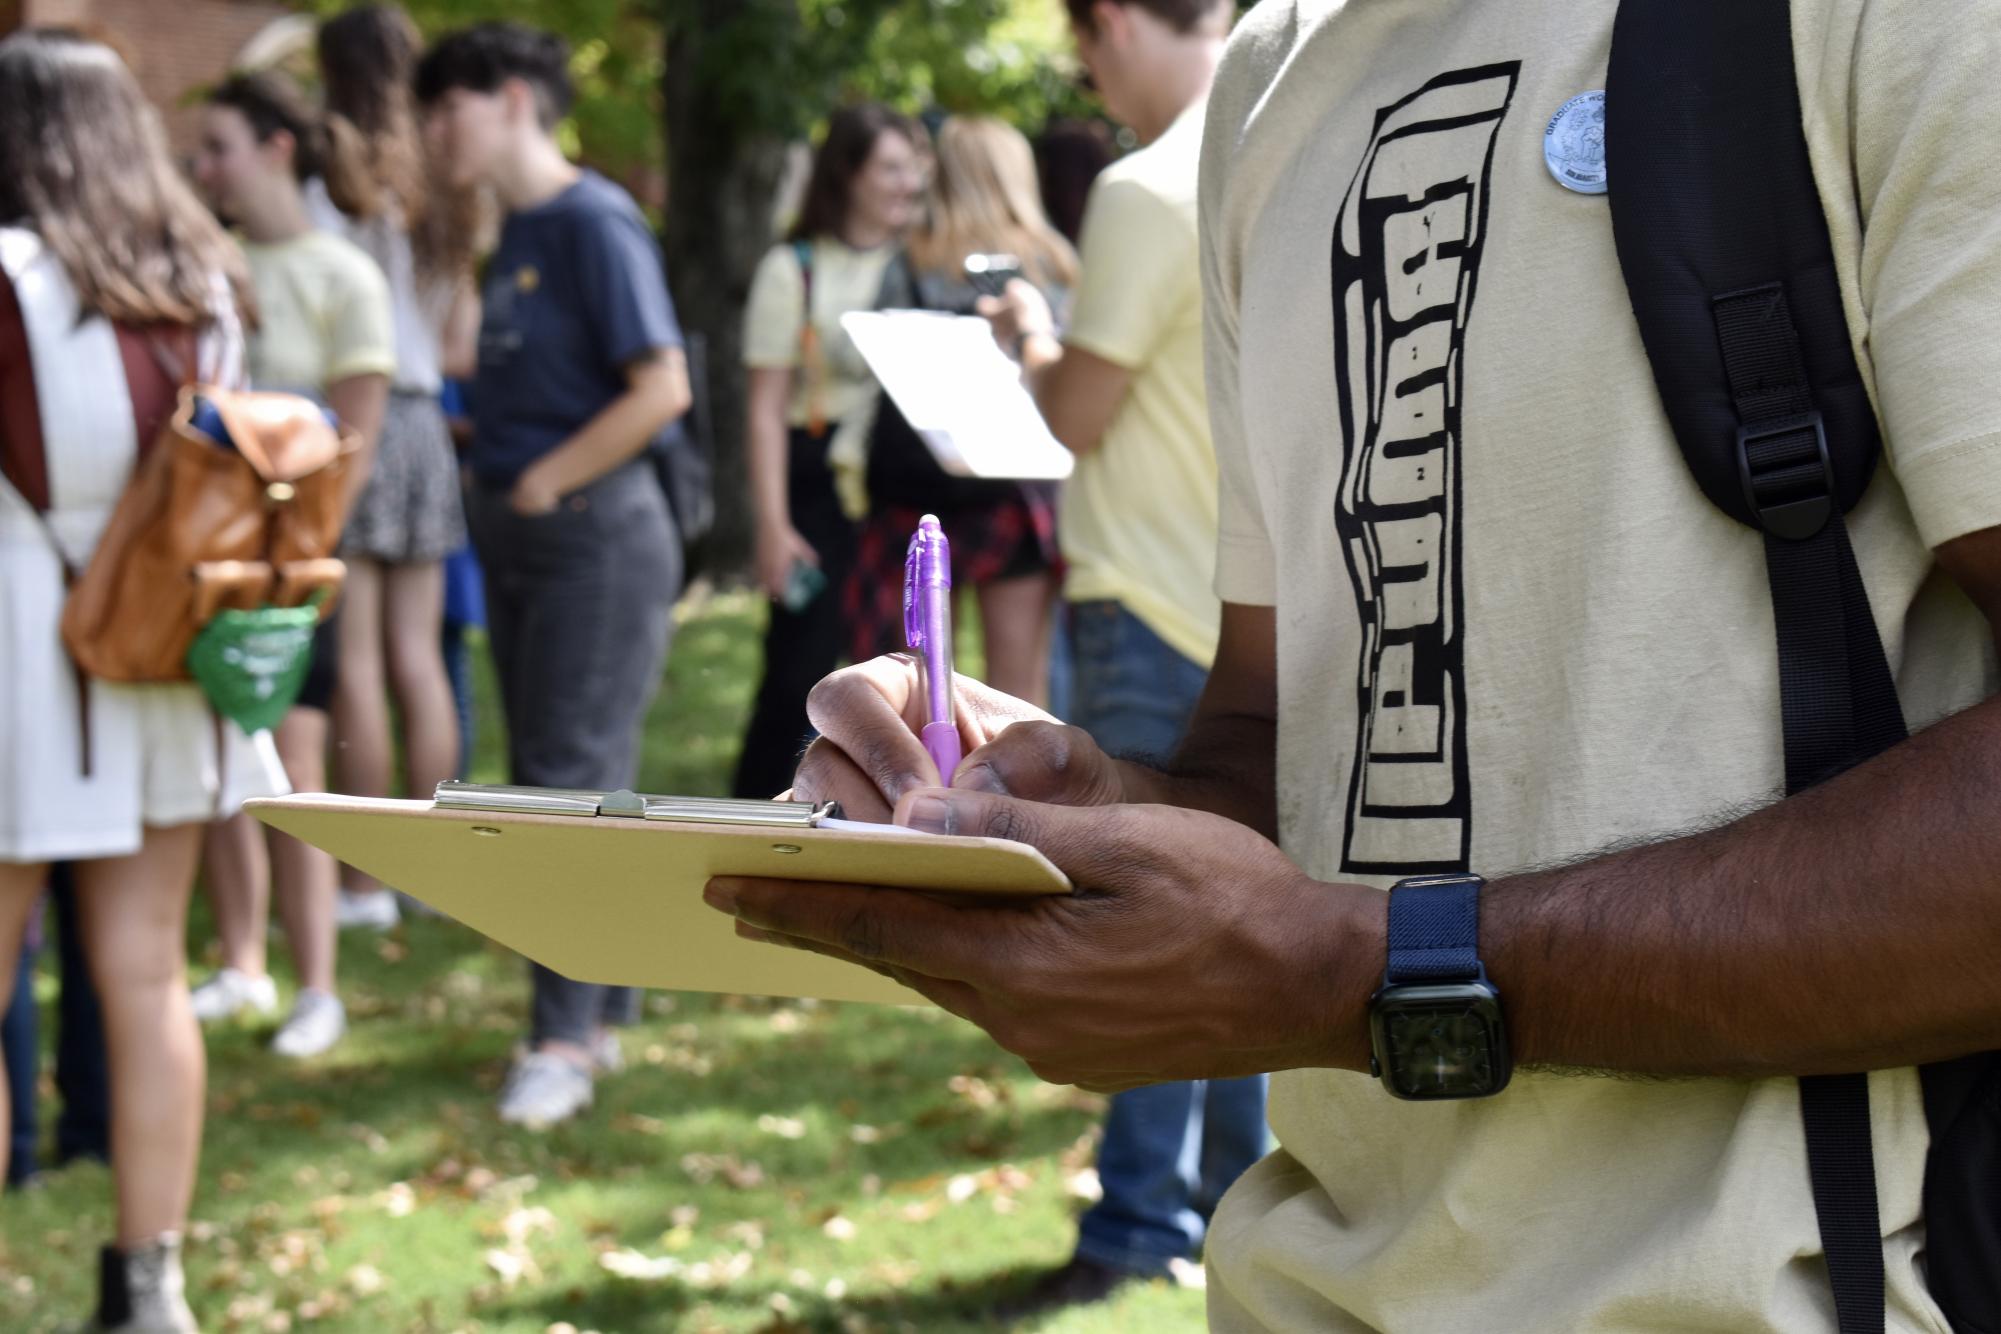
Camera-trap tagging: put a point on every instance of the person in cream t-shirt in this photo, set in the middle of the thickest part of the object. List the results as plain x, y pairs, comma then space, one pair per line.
1138, 514
1478, 617
1375, 179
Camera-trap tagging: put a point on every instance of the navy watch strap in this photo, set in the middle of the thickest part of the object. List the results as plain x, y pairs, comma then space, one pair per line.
1435, 930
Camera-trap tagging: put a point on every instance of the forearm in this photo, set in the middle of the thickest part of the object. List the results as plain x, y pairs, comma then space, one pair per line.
359, 403
1040, 352
1227, 765
1852, 927
765, 458
1077, 392
355, 471
617, 434
1041, 356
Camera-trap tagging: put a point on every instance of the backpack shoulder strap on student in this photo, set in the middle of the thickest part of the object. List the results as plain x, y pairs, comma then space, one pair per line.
1728, 262
812, 356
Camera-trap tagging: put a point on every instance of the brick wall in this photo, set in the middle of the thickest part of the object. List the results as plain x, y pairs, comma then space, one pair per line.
173, 45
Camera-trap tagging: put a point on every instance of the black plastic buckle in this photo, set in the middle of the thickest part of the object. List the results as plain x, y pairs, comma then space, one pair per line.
1787, 505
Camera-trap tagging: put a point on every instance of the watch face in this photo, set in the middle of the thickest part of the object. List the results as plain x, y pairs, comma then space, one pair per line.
1441, 1041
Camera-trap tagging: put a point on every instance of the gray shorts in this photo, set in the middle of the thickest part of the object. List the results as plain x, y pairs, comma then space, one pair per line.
410, 511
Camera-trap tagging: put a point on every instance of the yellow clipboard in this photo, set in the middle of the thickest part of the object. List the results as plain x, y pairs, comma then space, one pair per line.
607, 887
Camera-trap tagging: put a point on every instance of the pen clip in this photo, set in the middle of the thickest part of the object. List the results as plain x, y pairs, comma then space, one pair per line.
913, 610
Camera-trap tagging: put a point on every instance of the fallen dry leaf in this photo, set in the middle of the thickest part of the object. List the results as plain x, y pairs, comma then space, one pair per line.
521, 1224
635, 1123
639, 1268
706, 1167
511, 1266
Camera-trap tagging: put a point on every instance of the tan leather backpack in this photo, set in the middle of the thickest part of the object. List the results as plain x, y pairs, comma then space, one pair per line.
207, 525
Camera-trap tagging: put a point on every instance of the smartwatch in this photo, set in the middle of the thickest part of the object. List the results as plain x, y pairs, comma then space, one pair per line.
1435, 1024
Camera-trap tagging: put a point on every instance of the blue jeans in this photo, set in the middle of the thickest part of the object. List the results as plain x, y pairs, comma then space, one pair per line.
19, 1038
83, 1130
1170, 1150
465, 607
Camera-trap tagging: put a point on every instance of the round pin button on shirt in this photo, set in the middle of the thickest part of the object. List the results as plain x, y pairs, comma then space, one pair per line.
1574, 144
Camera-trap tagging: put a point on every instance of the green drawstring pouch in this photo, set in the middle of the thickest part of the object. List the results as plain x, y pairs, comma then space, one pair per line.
251, 664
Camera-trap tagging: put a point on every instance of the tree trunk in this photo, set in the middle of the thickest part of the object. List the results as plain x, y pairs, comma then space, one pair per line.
721, 182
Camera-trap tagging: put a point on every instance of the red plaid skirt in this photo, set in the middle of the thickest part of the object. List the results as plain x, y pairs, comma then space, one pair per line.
1011, 539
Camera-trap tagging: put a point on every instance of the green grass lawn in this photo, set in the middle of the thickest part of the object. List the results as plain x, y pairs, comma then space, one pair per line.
763, 1165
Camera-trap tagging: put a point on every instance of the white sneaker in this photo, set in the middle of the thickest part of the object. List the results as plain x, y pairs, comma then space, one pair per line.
373, 911
544, 1089
142, 1291
416, 907
229, 993
607, 1053
318, 1021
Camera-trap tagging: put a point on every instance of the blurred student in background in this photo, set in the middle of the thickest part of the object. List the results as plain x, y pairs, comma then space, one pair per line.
1123, 387
83, 1085
811, 396
983, 201
1069, 154
324, 330
409, 517
115, 287
581, 369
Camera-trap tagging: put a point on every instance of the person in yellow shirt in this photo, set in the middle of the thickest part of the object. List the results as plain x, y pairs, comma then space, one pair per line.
1478, 617
325, 330
811, 403
1123, 389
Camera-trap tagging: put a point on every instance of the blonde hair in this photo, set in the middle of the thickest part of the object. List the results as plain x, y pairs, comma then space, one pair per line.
984, 199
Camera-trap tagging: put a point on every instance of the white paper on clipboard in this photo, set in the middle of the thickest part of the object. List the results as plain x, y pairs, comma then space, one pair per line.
960, 393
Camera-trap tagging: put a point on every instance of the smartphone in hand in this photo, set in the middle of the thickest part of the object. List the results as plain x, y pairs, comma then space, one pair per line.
804, 584
990, 274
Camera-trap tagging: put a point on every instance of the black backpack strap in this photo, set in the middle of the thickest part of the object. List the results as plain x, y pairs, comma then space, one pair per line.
1726, 253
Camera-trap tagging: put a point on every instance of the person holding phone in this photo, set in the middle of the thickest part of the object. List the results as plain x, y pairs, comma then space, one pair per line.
983, 228
811, 395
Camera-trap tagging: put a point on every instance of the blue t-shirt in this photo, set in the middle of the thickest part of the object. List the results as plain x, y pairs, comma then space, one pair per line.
574, 294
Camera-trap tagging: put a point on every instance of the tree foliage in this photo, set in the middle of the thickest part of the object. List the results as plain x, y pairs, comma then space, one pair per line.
617, 63
776, 66
782, 63
714, 91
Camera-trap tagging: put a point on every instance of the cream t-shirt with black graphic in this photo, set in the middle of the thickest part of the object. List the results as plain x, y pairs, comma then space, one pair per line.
1511, 630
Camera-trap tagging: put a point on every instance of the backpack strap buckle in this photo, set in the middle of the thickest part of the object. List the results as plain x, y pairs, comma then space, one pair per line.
1787, 476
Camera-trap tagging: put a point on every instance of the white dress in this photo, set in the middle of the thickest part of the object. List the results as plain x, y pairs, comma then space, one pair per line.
153, 756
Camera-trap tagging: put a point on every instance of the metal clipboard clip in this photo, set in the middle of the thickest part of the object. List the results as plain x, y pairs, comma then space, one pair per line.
625, 805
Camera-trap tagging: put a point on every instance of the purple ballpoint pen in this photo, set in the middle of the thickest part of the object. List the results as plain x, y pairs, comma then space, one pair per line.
927, 628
